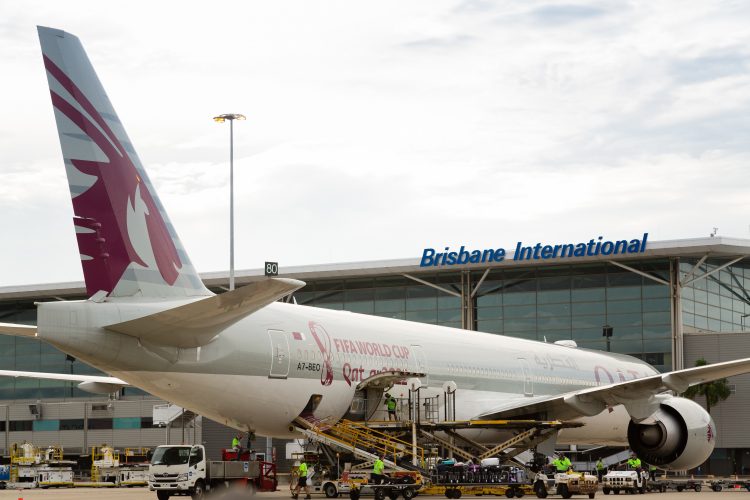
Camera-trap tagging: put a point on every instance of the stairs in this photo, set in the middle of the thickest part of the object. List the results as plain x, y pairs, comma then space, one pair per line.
364, 443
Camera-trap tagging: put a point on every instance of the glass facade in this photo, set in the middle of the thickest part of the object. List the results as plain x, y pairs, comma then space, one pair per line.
576, 302
719, 302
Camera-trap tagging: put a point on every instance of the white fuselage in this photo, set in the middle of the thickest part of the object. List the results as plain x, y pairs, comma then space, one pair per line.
261, 372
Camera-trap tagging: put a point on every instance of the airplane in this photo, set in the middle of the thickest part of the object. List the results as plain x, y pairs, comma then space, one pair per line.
250, 361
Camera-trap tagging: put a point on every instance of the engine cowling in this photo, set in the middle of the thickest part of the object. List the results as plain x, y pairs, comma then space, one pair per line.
679, 435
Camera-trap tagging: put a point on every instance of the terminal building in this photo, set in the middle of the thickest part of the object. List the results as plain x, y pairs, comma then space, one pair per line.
669, 303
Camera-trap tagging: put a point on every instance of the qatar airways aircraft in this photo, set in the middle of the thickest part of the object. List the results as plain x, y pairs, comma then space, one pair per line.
247, 360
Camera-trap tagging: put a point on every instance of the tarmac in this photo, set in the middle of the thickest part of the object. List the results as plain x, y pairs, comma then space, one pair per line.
144, 494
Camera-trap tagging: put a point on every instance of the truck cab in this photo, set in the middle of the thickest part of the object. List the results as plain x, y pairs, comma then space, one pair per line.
178, 470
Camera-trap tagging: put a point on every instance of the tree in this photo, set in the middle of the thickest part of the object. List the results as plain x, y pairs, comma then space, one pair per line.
715, 391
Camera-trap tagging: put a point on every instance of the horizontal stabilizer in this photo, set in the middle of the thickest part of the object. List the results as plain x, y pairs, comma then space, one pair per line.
197, 323
17, 330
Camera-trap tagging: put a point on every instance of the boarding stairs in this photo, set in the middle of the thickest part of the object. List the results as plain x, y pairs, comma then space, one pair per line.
363, 442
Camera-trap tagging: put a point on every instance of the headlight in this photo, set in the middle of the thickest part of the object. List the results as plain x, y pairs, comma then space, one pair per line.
182, 477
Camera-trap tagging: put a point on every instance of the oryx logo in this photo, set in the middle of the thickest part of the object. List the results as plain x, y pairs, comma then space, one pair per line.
118, 221
324, 344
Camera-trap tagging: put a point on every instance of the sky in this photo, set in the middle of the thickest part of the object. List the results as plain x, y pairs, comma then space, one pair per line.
377, 129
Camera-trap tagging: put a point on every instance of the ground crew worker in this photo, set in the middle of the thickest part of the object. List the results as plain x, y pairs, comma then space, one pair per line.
301, 481
236, 446
652, 472
634, 463
600, 469
377, 470
390, 403
562, 464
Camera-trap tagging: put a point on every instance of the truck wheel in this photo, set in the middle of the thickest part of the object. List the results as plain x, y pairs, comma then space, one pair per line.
716, 487
379, 493
540, 490
409, 493
697, 488
680, 488
616, 491
330, 490
509, 493
354, 495
199, 491
162, 495
564, 491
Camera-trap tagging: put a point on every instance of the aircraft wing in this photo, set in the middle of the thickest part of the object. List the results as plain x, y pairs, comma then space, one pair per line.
639, 396
197, 323
64, 376
17, 330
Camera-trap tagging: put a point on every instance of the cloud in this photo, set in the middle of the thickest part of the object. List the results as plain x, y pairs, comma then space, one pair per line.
564, 14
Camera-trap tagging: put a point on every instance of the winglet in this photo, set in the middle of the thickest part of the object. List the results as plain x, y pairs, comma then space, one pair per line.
197, 323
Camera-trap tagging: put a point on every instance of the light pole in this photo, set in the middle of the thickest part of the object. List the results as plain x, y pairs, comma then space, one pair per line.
221, 119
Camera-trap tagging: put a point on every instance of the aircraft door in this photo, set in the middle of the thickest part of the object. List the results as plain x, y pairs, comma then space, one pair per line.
528, 382
279, 354
419, 362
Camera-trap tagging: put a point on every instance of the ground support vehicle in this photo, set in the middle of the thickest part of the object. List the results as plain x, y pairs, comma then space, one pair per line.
458, 490
663, 485
565, 484
184, 470
723, 483
399, 483
33, 467
624, 480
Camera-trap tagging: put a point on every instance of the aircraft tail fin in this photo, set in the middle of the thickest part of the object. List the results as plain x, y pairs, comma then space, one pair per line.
127, 244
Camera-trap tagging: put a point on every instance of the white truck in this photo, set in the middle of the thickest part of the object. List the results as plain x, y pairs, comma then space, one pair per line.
184, 470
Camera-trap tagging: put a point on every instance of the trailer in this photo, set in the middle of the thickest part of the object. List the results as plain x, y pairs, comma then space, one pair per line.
728, 483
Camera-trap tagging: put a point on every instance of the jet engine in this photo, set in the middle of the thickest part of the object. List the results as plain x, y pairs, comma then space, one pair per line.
679, 435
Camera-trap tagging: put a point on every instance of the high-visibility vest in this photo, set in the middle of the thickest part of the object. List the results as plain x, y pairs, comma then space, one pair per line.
235, 443
378, 467
391, 404
303, 469
599, 465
